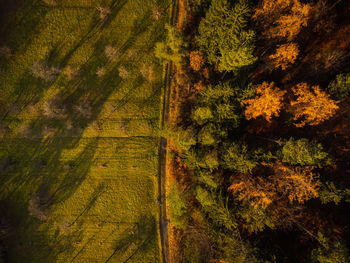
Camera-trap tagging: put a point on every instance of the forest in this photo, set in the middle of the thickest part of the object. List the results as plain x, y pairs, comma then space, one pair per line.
258, 131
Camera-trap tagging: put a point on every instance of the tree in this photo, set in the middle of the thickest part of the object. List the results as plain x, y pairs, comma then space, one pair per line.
330, 252
267, 103
295, 183
201, 115
196, 60
254, 191
340, 87
173, 48
236, 157
304, 152
177, 207
282, 18
223, 35
312, 106
285, 55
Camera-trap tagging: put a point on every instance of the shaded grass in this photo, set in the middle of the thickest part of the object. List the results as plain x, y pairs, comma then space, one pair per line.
100, 180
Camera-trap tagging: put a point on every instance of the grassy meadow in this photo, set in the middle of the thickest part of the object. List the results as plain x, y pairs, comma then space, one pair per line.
80, 107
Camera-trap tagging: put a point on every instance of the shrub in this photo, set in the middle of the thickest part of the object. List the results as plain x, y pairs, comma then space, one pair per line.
103, 12
101, 71
83, 108
172, 49
54, 108
72, 72
148, 72
123, 73
177, 207
43, 71
111, 52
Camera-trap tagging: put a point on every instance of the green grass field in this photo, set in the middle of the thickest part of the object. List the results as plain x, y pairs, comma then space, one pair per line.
79, 151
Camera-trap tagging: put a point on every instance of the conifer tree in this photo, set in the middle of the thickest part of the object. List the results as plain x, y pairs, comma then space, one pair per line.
224, 37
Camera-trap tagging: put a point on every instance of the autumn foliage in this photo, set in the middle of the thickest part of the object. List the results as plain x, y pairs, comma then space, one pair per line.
266, 104
296, 185
283, 18
312, 106
285, 55
196, 60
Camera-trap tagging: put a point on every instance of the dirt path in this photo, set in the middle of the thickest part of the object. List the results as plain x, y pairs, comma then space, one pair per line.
163, 218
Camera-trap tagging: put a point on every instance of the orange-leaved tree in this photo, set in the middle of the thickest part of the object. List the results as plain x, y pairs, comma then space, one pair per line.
267, 103
196, 60
253, 190
312, 106
283, 18
285, 185
294, 183
285, 55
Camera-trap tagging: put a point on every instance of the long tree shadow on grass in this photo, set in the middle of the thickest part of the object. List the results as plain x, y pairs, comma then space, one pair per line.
137, 238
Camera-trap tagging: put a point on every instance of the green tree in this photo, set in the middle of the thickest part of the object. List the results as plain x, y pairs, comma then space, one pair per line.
223, 35
173, 49
236, 156
177, 207
216, 209
340, 87
304, 152
202, 115
327, 252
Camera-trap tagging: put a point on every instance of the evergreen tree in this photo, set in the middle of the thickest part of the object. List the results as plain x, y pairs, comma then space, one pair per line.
304, 152
223, 35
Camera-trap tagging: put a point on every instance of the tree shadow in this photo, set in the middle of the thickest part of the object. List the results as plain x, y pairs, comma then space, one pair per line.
137, 238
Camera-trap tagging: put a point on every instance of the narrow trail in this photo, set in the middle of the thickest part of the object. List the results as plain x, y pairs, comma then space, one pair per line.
163, 218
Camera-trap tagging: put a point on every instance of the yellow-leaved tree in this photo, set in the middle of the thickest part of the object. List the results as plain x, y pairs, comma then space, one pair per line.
267, 103
312, 105
285, 55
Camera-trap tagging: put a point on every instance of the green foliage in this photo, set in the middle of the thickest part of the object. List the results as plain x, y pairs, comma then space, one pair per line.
173, 49
329, 193
177, 207
255, 219
182, 139
223, 35
214, 206
207, 179
222, 101
236, 156
210, 160
328, 252
206, 135
202, 115
340, 87
304, 152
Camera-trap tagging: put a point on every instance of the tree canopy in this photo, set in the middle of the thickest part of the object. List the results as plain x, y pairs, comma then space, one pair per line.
223, 35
